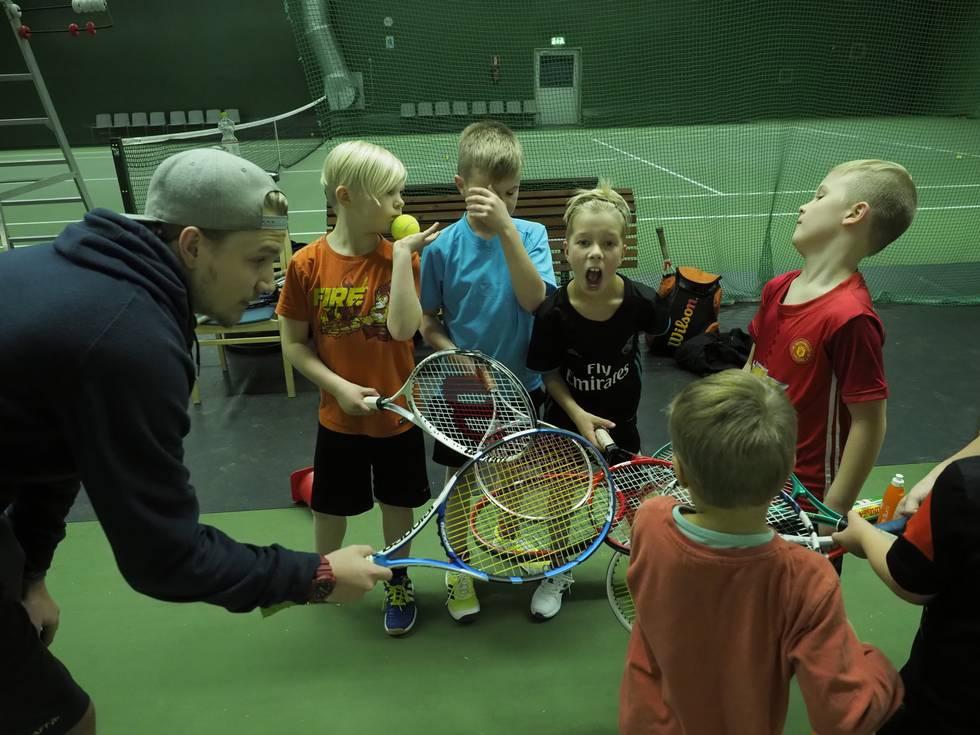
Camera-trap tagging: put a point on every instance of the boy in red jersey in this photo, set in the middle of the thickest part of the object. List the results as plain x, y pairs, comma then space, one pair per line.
816, 331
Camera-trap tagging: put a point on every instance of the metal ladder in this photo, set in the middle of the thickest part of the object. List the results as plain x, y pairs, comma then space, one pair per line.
59, 169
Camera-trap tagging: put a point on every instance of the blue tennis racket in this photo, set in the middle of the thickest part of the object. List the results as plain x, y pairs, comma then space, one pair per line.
531, 506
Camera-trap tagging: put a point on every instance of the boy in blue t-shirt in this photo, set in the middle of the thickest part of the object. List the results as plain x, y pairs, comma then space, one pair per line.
488, 273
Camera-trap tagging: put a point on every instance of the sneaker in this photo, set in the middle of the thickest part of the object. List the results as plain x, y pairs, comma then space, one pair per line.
546, 601
399, 607
531, 562
462, 603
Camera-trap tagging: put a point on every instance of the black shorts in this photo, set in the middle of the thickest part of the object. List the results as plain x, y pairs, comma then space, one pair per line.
351, 470
37, 694
441, 454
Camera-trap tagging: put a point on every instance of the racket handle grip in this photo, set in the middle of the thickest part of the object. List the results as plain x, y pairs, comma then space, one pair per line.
662, 240
604, 438
895, 526
372, 402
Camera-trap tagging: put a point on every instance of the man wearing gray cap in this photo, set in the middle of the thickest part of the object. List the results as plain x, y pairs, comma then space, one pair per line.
95, 378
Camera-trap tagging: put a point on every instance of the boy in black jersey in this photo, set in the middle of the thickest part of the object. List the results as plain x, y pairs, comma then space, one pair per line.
585, 336
586, 339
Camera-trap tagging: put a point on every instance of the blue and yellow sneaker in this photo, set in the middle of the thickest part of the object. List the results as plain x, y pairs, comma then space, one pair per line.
399, 607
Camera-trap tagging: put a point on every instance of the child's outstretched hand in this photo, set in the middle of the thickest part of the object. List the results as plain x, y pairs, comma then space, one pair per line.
911, 501
488, 210
415, 243
852, 537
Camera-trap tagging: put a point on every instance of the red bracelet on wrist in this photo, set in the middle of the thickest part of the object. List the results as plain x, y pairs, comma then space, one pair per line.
323, 582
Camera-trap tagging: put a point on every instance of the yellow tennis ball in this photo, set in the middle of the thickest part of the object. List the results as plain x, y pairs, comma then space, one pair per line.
404, 225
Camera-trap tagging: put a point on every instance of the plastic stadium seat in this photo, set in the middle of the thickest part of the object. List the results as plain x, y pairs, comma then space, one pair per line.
514, 107
459, 108
195, 117
496, 107
178, 118
425, 109
103, 122
479, 108
442, 109
408, 109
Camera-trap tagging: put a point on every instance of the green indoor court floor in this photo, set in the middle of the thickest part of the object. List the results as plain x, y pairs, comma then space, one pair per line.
155, 668
728, 195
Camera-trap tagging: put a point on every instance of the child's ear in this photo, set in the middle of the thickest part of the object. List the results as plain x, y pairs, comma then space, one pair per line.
859, 212
460, 184
342, 195
679, 471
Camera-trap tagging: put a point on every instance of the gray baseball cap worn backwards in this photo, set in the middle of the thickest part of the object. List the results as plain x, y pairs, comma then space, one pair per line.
212, 189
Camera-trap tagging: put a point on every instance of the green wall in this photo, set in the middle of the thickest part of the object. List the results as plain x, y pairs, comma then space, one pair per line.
157, 56
661, 62
674, 61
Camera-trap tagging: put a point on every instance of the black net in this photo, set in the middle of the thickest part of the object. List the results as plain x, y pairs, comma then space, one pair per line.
722, 117
273, 143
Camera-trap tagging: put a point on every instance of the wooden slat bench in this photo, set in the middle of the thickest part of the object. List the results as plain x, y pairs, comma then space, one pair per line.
542, 201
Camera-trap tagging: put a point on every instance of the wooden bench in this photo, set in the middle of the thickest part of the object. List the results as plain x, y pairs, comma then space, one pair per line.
542, 201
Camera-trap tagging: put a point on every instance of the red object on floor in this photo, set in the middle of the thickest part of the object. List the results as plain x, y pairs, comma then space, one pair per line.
301, 485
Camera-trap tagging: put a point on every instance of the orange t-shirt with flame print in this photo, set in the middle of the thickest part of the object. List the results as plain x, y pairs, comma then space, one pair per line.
345, 300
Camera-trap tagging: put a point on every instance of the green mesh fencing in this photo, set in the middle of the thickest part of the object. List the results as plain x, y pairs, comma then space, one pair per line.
723, 117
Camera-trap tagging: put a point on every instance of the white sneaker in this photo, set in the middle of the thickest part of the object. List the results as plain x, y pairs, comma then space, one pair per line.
546, 601
462, 602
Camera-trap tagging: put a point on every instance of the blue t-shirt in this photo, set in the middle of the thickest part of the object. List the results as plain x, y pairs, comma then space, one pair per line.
468, 277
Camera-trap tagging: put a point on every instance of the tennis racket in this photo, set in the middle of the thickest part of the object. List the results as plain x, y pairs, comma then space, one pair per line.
531, 506
668, 267
463, 399
809, 503
634, 479
621, 601
618, 593
552, 506
641, 478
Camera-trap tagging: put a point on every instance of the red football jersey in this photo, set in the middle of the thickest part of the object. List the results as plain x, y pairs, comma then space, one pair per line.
826, 352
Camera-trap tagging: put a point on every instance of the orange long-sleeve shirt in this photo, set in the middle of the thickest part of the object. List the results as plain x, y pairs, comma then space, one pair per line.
719, 633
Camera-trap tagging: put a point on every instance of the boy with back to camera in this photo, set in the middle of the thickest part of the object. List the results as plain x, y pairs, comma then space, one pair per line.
726, 611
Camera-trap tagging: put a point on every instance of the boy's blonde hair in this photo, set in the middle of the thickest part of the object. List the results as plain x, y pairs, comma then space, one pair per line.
362, 167
600, 199
888, 189
490, 148
734, 435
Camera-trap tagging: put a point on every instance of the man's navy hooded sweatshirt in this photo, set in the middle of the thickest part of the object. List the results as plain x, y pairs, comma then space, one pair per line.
95, 378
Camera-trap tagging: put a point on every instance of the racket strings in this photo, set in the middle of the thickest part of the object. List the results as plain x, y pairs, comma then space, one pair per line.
469, 401
635, 482
783, 515
617, 591
529, 505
